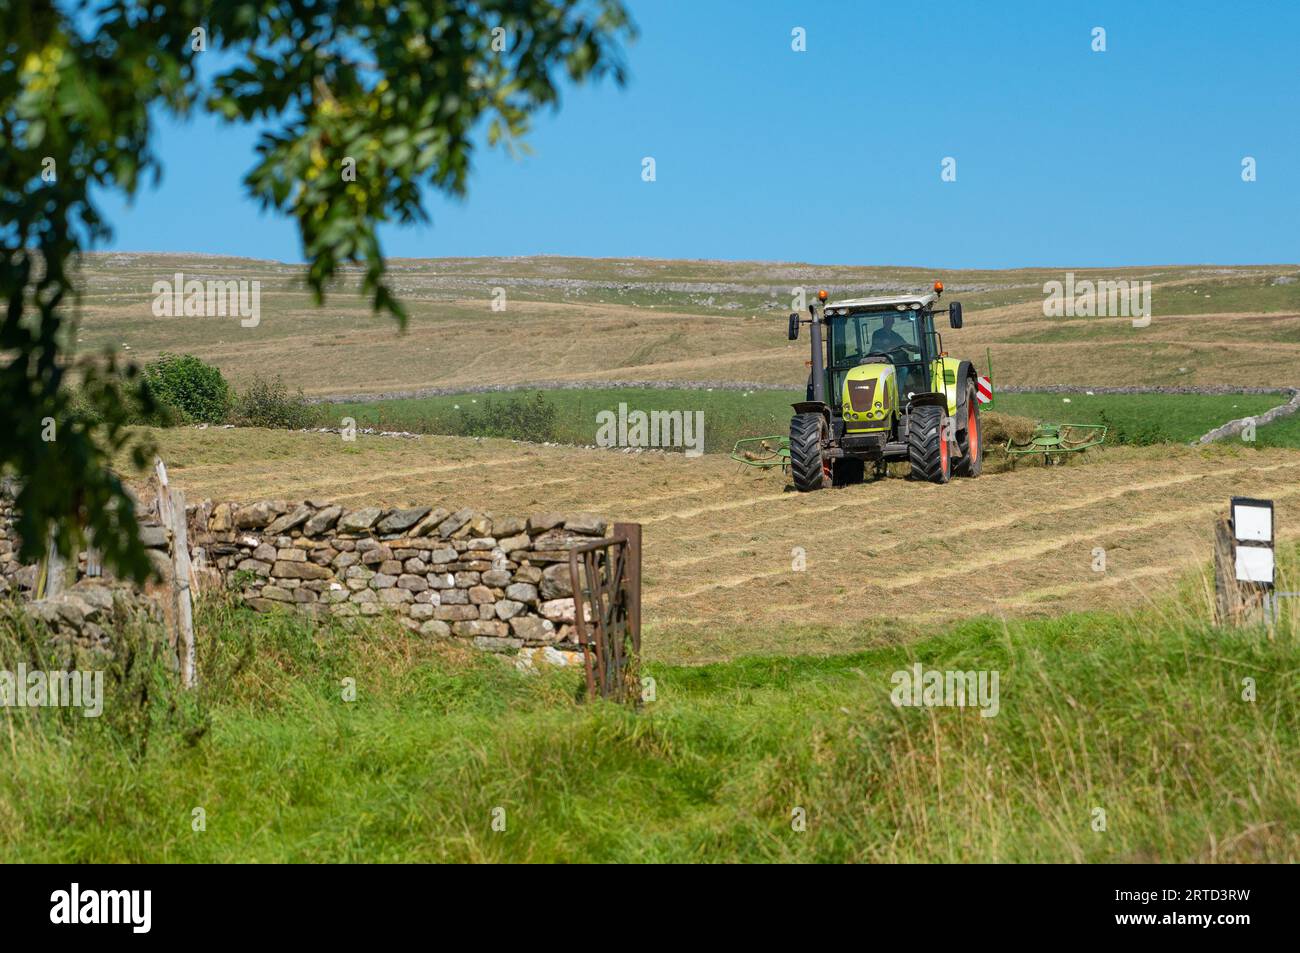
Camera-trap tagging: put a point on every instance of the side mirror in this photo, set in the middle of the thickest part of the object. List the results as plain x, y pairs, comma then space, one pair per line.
954, 314
794, 327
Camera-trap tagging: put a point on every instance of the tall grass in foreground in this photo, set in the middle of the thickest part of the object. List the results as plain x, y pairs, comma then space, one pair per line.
1139, 716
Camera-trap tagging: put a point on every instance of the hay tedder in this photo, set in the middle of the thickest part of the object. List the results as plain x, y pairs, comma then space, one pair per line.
1054, 441
763, 452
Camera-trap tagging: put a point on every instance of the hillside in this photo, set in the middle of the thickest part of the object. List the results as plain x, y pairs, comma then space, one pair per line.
637, 320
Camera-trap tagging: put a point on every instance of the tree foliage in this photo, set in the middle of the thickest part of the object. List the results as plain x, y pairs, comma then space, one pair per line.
363, 104
196, 391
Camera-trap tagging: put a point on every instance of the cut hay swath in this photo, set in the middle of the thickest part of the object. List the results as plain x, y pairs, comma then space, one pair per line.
720, 538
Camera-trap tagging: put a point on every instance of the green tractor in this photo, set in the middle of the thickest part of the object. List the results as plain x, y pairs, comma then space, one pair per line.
882, 388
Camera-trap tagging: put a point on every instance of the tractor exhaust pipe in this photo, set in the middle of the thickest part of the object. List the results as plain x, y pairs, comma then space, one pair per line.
818, 361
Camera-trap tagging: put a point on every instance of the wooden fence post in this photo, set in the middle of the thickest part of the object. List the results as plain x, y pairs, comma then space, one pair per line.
52, 572
171, 514
1235, 602
184, 591
1227, 596
632, 533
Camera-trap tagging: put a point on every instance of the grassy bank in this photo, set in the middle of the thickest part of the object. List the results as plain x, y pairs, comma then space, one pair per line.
729, 415
1140, 419
1141, 717
1284, 432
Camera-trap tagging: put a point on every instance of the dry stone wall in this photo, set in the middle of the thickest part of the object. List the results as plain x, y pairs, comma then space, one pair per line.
84, 614
499, 582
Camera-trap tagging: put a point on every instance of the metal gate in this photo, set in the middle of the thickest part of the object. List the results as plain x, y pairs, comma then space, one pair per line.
606, 578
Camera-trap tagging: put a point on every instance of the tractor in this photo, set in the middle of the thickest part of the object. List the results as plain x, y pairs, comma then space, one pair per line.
882, 388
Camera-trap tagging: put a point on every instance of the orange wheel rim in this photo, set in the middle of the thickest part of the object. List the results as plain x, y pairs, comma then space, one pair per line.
973, 433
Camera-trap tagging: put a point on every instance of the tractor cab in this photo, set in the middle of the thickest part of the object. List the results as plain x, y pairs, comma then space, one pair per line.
897, 330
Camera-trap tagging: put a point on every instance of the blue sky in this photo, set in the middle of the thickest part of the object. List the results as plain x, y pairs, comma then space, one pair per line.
1065, 156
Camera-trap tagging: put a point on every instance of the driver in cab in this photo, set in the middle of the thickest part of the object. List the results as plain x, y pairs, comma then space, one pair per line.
885, 338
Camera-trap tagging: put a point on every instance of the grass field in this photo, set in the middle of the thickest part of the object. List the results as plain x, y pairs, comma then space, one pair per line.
639, 319
730, 415
774, 622
882, 558
1141, 718
1142, 418
1282, 433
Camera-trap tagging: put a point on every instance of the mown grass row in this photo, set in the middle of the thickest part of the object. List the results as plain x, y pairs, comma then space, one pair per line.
1143, 721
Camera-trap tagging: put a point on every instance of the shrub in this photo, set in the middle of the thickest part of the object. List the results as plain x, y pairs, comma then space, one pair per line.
268, 403
194, 390
517, 418
124, 389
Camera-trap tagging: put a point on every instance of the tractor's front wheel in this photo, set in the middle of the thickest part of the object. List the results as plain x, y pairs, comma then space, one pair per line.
809, 470
927, 451
971, 461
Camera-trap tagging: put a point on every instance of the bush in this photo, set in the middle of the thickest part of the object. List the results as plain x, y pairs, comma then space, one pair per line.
126, 392
194, 390
268, 403
517, 418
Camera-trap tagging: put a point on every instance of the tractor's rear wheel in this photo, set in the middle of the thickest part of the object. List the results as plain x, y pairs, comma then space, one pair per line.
809, 470
927, 451
971, 461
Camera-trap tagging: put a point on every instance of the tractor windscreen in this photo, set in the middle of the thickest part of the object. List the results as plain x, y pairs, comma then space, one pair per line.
893, 334
854, 336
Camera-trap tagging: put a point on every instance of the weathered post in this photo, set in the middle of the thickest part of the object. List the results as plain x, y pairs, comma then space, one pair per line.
178, 606
632, 533
184, 597
1227, 594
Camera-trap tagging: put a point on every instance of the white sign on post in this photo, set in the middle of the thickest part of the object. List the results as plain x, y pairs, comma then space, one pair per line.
1252, 520
1255, 564
1252, 536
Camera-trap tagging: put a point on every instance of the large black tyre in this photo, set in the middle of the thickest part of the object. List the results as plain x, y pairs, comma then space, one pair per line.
971, 440
806, 465
848, 471
927, 451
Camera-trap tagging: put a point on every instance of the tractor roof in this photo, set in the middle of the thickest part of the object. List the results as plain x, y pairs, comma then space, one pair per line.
885, 302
